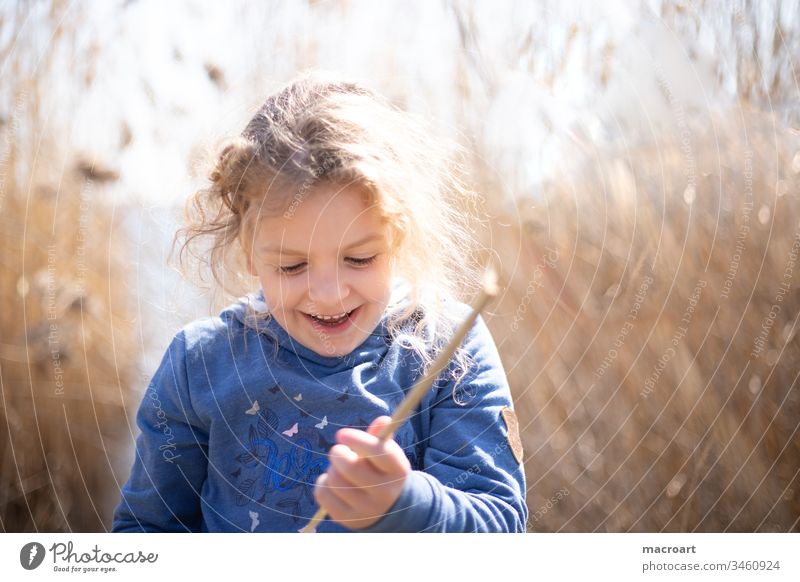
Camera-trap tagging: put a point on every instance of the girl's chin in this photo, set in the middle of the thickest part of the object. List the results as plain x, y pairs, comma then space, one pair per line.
333, 349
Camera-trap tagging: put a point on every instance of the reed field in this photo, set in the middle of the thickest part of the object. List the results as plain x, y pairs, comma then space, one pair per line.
66, 348
644, 214
653, 345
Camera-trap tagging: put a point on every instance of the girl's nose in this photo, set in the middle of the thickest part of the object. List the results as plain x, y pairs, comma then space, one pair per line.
327, 288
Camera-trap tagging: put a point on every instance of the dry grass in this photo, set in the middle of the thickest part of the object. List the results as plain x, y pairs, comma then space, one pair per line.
66, 351
599, 277
624, 266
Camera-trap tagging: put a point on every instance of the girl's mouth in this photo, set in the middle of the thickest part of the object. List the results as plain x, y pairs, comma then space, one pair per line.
337, 322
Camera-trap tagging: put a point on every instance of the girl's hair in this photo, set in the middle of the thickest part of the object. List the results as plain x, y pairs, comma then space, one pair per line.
317, 131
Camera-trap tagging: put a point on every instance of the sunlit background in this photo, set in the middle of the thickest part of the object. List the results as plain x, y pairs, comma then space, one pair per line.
639, 164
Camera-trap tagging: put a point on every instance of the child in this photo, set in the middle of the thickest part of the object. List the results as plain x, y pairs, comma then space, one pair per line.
256, 418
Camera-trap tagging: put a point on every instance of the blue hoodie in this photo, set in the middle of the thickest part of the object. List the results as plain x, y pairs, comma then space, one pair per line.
237, 421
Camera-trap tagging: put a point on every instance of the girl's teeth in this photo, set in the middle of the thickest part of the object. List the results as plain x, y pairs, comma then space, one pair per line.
331, 318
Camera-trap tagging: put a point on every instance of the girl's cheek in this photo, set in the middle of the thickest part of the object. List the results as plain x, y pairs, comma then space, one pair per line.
377, 294
281, 291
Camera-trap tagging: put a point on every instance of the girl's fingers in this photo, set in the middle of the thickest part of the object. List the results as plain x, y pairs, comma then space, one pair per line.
353, 496
354, 470
336, 507
364, 478
386, 456
344, 503
378, 424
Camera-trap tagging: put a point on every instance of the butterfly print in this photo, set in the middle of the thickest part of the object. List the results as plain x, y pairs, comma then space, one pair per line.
253, 520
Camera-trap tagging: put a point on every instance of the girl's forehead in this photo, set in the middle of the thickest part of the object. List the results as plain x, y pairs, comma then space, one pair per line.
302, 203
331, 217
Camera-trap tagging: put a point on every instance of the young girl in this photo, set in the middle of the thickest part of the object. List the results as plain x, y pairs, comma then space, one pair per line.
338, 205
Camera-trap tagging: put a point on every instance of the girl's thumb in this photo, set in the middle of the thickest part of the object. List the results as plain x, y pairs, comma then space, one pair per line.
378, 425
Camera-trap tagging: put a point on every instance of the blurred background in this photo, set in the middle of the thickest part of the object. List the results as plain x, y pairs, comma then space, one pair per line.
639, 166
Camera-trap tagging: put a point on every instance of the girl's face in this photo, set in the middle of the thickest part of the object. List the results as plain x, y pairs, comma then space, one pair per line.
325, 268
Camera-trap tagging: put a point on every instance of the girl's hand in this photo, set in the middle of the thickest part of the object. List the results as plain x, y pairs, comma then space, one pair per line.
365, 477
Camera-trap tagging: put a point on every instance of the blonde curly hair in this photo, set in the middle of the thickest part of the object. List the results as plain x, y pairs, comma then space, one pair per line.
317, 130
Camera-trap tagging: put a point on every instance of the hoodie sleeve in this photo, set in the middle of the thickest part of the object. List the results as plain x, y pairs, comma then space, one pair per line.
163, 491
472, 478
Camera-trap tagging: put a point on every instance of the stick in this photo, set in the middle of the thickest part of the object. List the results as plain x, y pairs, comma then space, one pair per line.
415, 395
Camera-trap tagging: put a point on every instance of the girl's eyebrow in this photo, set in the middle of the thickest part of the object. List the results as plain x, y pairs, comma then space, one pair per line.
362, 241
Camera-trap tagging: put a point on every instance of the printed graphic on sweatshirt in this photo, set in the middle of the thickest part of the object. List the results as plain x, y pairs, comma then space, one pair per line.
282, 460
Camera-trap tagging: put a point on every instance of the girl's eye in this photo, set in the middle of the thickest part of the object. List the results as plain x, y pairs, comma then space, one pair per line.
361, 262
291, 269
354, 261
